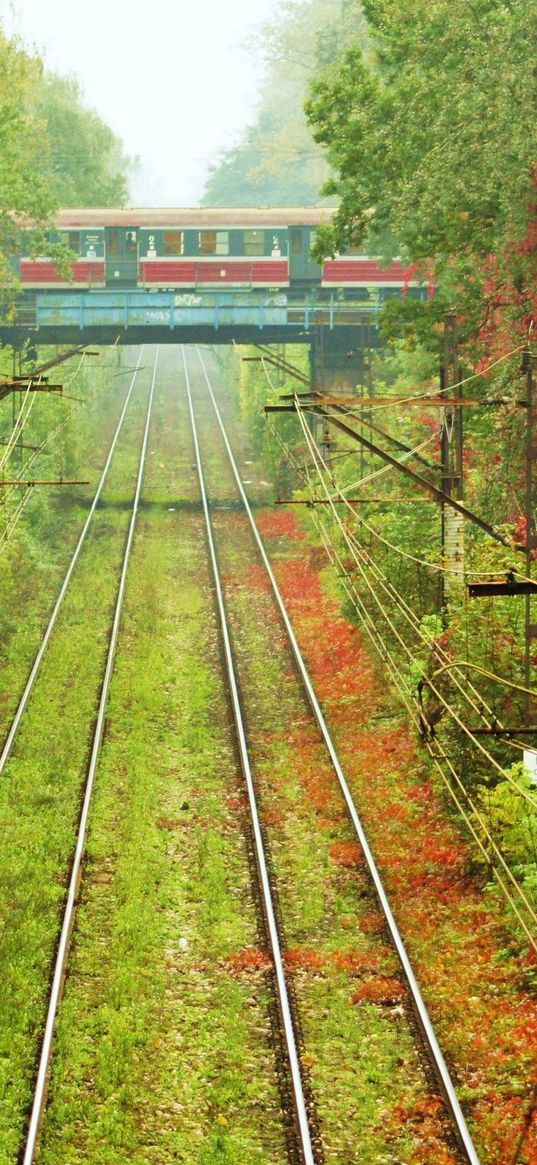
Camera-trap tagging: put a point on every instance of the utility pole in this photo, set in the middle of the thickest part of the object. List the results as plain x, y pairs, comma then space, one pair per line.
451, 458
280, 351
531, 540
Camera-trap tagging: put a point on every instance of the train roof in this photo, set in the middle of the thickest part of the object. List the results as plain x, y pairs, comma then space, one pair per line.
212, 217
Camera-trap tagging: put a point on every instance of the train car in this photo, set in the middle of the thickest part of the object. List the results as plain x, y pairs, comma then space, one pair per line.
88, 268
206, 249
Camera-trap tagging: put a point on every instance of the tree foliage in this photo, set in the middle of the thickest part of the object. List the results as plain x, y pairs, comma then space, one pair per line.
276, 162
432, 138
53, 150
24, 189
85, 161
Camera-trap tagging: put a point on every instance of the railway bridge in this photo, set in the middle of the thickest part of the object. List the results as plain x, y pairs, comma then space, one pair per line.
209, 275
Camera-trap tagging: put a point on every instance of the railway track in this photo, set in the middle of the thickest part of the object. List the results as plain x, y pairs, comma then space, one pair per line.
308, 1143
302, 1114
302, 1119
33, 1143
12, 734
28, 1152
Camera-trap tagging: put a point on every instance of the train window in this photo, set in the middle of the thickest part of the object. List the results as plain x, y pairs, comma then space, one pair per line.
113, 241
173, 243
131, 243
207, 242
254, 243
296, 242
71, 239
214, 242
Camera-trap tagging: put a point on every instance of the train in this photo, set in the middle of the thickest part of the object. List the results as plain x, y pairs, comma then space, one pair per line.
207, 248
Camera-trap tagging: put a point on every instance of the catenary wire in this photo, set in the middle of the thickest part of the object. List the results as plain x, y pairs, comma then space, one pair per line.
392, 593
412, 707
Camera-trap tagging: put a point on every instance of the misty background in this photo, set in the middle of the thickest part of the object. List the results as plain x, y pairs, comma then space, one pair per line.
177, 81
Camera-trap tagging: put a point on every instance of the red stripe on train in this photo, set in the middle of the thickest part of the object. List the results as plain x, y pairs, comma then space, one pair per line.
192, 273
366, 270
44, 271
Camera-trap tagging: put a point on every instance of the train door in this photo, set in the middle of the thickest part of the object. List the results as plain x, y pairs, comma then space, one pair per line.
121, 257
302, 268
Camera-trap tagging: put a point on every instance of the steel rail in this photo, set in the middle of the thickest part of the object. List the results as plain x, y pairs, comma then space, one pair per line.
301, 1115
23, 702
435, 1054
39, 1100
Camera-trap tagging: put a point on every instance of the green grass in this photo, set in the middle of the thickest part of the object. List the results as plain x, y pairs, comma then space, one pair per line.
32, 569
355, 1052
40, 794
163, 1054
164, 1049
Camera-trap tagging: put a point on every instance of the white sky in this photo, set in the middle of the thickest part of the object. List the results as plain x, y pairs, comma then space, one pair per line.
174, 78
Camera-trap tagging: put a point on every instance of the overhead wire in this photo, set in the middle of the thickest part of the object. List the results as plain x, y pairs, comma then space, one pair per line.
409, 701
440, 568
305, 475
406, 611
392, 593
391, 590
422, 396
463, 663
412, 706
410, 613
351, 538
25, 410
413, 709
339, 495
386, 468
13, 518
267, 374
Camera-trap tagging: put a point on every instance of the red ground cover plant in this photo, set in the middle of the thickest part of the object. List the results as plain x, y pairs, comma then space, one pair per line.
303, 959
357, 963
382, 989
471, 974
347, 853
249, 959
312, 774
279, 523
299, 582
257, 578
422, 1118
237, 803
372, 923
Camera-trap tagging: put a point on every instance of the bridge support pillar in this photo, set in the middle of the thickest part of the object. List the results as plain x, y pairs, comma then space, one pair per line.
338, 359
340, 364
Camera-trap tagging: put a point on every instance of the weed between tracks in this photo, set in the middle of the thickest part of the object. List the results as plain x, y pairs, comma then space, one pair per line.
357, 1046
40, 796
358, 1049
164, 1047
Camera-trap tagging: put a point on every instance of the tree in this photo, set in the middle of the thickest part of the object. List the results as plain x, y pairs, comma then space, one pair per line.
53, 151
85, 163
277, 163
24, 189
432, 137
